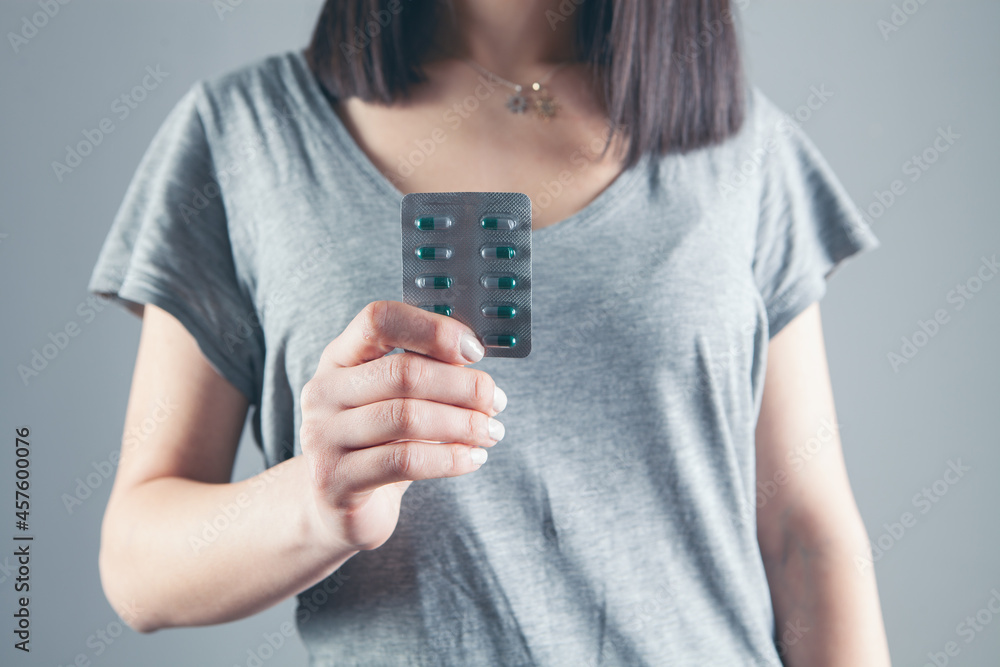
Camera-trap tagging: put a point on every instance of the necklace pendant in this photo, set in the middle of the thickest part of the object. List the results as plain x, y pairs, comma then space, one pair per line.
517, 103
546, 106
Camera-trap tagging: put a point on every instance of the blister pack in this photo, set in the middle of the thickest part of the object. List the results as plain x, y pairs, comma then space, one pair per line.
468, 255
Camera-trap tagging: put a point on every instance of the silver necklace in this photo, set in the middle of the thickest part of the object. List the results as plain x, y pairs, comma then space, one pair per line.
540, 99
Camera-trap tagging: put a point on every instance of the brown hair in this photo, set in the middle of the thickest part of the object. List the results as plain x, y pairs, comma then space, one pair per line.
669, 71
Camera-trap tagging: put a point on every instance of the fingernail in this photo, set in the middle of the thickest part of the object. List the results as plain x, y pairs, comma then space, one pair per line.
496, 429
478, 456
471, 348
499, 399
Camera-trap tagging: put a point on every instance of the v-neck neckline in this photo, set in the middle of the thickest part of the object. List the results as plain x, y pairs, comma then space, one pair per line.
320, 104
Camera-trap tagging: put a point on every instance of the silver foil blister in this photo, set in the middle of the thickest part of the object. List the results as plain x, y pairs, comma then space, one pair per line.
455, 258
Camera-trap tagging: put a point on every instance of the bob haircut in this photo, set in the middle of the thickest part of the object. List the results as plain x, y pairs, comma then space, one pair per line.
669, 72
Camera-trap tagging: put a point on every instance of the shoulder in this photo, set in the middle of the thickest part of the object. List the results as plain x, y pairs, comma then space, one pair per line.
251, 94
738, 163
770, 144
765, 126
263, 77
763, 115
765, 129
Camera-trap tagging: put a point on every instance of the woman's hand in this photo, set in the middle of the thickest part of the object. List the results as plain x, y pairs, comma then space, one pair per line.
373, 422
363, 415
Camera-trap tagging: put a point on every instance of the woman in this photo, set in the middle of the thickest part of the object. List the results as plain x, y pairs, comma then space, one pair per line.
654, 502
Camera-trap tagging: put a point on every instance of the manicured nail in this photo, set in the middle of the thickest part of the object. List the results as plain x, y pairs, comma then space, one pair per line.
499, 399
496, 429
471, 348
478, 456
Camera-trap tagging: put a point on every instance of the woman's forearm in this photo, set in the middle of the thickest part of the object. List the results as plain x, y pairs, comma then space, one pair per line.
827, 610
179, 552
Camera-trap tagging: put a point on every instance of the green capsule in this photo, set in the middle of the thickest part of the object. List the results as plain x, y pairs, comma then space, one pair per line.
434, 282
499, 282
434, 252
505, 224
500, 340
439, 308
499, 311
498, 252
427, 223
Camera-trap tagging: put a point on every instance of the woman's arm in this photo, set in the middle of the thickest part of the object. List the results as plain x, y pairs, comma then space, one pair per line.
180, 545
810, 531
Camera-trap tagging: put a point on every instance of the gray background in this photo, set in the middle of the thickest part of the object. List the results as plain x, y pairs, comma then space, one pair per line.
891, 94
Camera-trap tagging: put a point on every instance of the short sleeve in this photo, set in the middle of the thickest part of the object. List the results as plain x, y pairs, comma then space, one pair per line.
169, 245
808, 224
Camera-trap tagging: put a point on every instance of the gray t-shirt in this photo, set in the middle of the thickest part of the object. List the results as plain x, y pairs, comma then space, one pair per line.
615, 523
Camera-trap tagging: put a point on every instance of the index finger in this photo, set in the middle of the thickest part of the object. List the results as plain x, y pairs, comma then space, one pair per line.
382, 326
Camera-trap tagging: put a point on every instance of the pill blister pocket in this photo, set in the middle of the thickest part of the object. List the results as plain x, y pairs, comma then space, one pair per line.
467, 255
